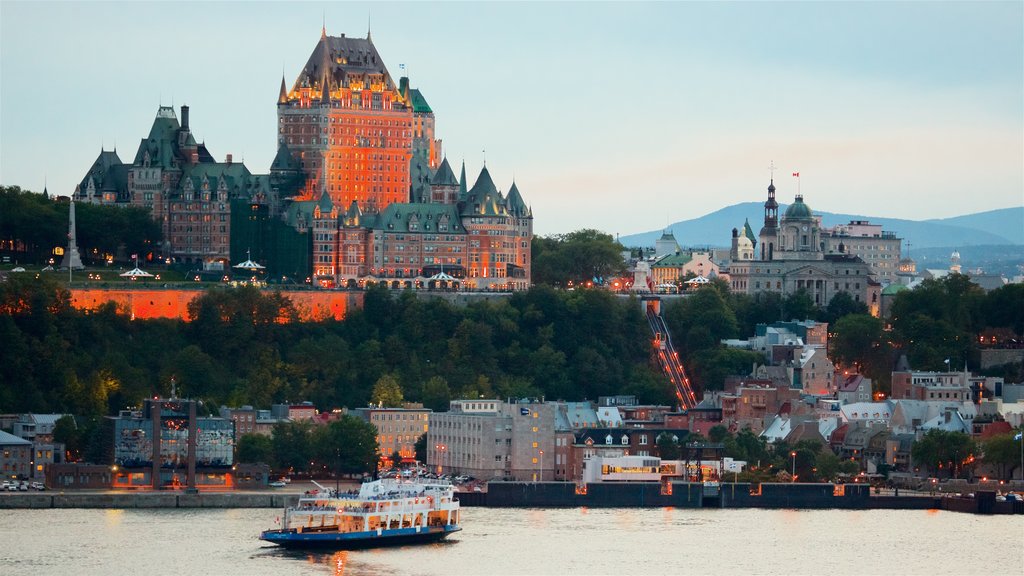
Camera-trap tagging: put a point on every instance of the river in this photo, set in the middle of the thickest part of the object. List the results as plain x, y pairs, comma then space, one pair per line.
528, 541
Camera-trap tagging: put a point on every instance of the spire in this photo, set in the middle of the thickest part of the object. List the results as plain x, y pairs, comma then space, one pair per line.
283, 97
325, 71
323, 26
368, 37
462, 180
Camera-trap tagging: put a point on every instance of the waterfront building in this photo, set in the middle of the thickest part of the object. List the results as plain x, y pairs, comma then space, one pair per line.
398, 429
15, 457
36, 427
166, 445
791, 257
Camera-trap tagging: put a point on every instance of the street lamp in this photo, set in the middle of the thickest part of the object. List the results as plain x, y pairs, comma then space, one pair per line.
540, 467
440, 460
792, 477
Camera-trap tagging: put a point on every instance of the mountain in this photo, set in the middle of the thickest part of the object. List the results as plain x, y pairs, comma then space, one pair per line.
995, 227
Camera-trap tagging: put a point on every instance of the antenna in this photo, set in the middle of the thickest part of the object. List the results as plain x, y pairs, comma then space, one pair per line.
771, 170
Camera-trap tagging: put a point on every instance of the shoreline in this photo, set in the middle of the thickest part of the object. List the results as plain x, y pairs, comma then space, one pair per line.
552, 495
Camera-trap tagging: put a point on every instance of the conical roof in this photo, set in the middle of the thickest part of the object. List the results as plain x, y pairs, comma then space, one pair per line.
484, 198
516, 206
444, 175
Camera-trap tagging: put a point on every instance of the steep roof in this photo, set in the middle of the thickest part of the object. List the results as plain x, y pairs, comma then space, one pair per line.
484, 199
444, 175
419, 103
284, 160
749, 232
346, 60
515, 203
107, 172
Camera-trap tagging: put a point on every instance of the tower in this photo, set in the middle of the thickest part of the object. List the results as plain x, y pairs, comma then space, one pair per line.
345, 118
769, 232
71, 260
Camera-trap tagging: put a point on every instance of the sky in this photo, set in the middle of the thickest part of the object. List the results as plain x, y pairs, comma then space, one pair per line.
622, 117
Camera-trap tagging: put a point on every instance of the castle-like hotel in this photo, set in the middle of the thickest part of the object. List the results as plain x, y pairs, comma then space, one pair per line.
359, 189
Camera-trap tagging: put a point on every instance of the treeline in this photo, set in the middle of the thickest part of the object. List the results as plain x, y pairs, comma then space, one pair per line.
937, 320
244, 346
32, 225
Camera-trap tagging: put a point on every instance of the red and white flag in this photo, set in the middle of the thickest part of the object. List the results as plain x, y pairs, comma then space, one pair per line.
796, 174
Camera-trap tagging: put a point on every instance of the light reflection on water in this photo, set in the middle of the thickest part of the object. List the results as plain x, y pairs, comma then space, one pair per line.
528, 542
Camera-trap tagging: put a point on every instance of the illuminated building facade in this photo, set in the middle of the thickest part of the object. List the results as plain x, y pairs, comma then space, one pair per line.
359, 188
398, 429
166, 445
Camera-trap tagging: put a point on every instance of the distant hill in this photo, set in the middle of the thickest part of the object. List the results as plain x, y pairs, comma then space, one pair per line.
995, 227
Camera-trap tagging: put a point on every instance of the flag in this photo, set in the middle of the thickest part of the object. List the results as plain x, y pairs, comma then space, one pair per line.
401, 66
947, 360
524, 411
796, 174
1019, 436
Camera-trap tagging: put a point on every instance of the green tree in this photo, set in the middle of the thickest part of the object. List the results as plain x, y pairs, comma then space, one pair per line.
718, 433
421, 448
827, 464
859, 343
436, 394
347, 446
255, 449
1002, 452
668, 446
943, 450
387, 393
66, 432
292, 445
799, 306
578, 257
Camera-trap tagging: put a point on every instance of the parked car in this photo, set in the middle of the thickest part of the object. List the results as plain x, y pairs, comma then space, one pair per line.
23, 486
278, 484
38, 486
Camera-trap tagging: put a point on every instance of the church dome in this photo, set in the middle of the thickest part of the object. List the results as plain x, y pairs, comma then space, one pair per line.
798, 210
744, 242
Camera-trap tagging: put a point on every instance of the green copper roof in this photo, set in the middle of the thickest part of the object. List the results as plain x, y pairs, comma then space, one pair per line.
444, 175
893, 289
516, 206
798, 210
284, 159
673, 260
419, 103
483, 199
749, 232
420, 218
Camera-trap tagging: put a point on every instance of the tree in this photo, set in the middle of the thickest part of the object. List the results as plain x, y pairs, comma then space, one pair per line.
255, 449
859, 342
387, 393
66, 432
347, 446
941, 449
578, 257
827, 464
291, 443
718, 433
1003, 453
668, 446
799, 306
842, 304
421, 448
436, 394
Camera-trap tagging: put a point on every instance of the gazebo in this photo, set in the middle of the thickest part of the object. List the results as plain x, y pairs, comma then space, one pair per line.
136, 273
442, 280
250, 266
697, 281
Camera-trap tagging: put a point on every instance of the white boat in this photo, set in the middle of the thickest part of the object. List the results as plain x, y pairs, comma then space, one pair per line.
381, 513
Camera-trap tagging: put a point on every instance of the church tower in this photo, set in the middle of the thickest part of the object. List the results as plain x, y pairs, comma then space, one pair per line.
769, 233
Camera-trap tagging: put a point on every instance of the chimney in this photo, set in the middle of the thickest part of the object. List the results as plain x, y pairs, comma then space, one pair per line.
184, 117
228, 160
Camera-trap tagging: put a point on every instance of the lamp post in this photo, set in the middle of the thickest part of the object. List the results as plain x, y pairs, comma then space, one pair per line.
540, 467
441, 448
792, 477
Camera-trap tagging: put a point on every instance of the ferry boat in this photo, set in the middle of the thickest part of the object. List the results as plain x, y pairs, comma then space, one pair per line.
381, 513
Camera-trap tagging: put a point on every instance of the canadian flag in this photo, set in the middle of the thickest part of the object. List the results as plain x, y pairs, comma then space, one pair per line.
796, 174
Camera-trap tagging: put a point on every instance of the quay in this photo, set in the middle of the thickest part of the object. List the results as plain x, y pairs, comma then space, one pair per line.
797, 496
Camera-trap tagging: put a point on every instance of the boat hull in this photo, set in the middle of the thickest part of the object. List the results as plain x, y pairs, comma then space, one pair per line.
355, 540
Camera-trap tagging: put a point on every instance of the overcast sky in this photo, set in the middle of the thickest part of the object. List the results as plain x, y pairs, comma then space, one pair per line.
616, 116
